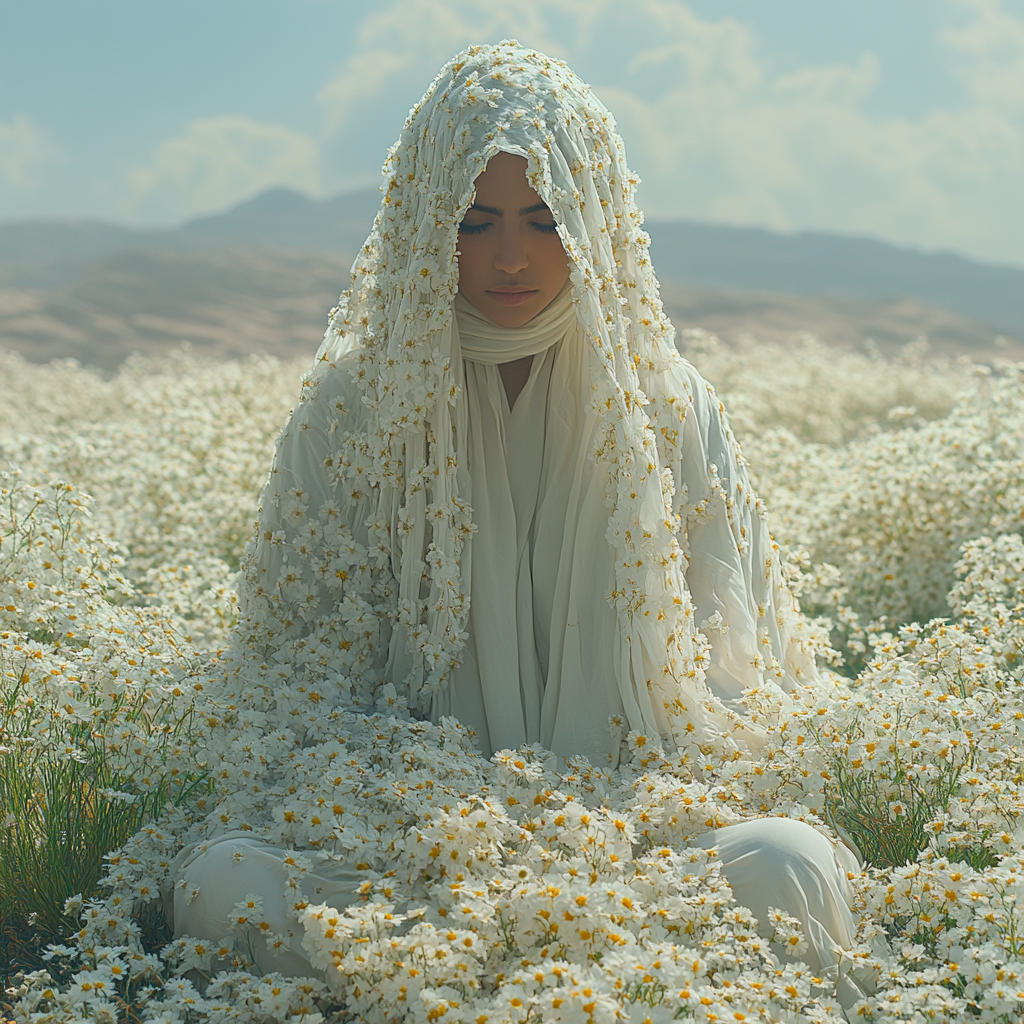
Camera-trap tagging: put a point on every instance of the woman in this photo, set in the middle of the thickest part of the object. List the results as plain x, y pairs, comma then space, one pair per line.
505, 495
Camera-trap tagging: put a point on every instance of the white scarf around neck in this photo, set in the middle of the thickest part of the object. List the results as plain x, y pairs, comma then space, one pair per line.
545, 660
484, 341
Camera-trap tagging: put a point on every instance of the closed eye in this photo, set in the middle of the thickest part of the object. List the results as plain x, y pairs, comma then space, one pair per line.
472, 229
548, 229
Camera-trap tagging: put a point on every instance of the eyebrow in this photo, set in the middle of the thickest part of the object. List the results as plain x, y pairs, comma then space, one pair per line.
536, 208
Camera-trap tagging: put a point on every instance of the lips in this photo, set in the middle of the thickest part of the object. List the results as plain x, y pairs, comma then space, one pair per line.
513, 298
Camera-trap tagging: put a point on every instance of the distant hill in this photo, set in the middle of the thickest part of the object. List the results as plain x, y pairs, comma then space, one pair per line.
262, 276
691, 254
233, 301
284, 218
47, 254
226, 302
751, 259
43, 254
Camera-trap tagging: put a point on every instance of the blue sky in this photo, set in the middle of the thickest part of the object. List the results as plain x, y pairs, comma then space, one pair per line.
898, 119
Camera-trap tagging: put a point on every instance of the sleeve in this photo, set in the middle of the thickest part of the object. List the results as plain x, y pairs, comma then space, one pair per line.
316, 591
751, 620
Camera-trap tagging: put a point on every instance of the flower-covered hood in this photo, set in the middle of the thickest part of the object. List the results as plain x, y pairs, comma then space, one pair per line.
398, 317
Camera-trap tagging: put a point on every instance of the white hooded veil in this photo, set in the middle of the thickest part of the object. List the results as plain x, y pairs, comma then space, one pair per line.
393, 565
360, 577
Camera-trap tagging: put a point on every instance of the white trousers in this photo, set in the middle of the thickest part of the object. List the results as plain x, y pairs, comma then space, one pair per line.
769, 862
787, 864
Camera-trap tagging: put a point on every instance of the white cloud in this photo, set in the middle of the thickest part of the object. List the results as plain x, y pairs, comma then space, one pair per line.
399, 47
220, 161
407, 42
25, 154
718, 134
991, 47
727, 141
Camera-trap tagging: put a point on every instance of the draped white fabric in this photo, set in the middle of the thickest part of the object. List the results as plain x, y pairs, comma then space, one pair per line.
651, 468
544, 660
480, 340
589, 563
769, 862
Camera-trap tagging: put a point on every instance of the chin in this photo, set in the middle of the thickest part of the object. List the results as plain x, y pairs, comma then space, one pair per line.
515, 316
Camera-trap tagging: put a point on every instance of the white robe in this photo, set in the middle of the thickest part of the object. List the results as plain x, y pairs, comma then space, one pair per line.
769, 862
539, 664
548, 665
548, 658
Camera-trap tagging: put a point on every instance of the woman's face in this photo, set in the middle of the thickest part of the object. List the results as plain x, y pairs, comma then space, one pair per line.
512, 263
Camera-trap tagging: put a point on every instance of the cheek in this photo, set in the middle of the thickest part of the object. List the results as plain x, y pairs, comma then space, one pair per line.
469, 261
555, 261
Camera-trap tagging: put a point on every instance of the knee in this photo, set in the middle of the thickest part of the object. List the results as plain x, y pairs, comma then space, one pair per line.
797, 835
784, 854
206, 891
795, 839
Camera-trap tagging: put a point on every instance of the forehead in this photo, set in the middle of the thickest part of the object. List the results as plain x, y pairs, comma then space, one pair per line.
504, 175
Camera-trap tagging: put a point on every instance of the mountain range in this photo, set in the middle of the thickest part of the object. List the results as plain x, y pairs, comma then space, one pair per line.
262, 275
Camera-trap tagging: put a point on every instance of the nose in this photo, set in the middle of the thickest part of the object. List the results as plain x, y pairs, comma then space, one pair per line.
511, 257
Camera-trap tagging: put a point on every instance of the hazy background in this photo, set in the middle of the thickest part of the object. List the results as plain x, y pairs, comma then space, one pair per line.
823, 122
900, 119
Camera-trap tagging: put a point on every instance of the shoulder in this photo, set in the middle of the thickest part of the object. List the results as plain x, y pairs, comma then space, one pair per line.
324, 425
686, 408
323, 439
706, 454
699, 390
331, 399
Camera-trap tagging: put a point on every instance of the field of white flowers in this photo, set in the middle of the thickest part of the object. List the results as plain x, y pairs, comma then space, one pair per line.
502, 891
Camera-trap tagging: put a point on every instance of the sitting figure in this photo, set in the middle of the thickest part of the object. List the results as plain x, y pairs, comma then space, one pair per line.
505, 497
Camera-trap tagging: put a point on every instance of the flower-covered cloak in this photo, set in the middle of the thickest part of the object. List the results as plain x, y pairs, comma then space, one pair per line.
358, 584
